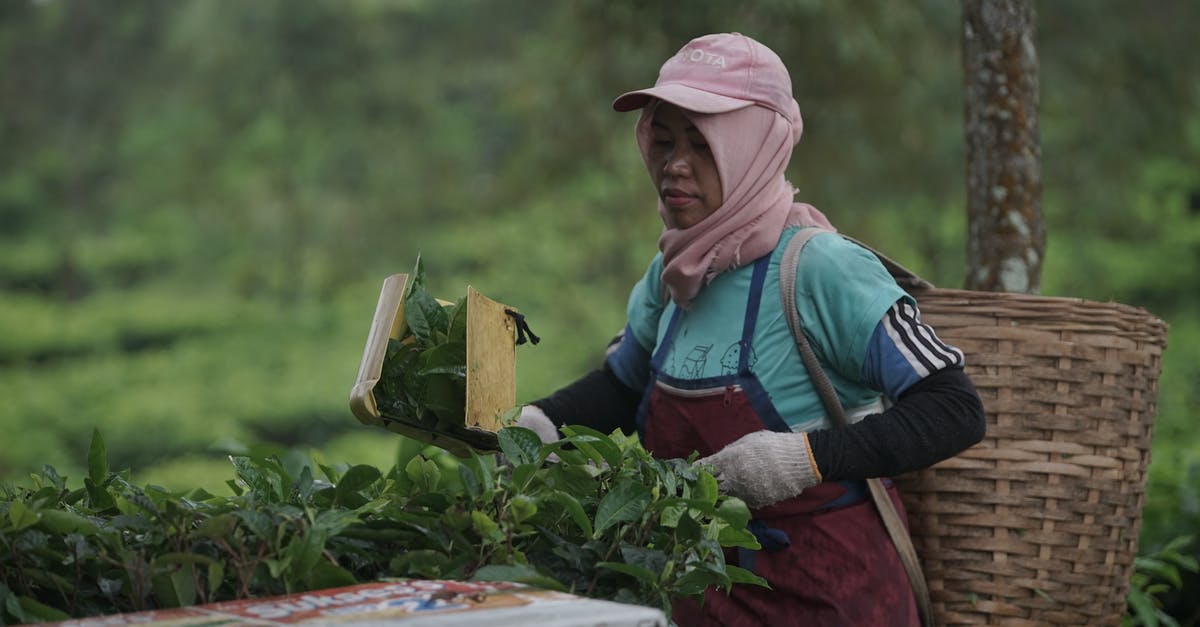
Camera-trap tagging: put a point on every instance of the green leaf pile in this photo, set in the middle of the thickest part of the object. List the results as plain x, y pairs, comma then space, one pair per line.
606, 520
423, 383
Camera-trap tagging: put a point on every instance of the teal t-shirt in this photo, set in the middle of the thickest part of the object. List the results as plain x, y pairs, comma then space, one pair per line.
842, 291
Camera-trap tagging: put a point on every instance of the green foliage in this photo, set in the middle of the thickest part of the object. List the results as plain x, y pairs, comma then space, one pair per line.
423, 380
1156, 574
606, 520
205, 373
189, 262
424, 377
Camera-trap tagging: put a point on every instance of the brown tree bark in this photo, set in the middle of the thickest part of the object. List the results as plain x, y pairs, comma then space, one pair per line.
1006, 236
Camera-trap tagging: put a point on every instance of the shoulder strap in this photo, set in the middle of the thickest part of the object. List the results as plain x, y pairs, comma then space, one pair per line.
837, 414
787, 292
904, 277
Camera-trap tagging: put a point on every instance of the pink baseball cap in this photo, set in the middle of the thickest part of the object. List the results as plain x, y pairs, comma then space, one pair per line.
720, 73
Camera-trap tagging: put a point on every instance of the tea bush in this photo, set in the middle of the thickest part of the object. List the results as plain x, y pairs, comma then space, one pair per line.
605, 520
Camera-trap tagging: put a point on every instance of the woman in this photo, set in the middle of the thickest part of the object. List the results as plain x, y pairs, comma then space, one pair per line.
707, 362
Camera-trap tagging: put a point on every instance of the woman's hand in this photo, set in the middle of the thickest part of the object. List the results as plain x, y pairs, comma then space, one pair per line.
765, 467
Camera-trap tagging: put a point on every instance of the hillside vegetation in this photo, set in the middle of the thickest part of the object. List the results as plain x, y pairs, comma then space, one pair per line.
199, 200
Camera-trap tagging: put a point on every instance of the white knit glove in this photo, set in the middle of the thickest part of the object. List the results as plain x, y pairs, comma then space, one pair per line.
765, 467
535, 419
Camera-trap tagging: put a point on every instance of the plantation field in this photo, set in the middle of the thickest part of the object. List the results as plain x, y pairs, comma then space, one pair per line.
199, 200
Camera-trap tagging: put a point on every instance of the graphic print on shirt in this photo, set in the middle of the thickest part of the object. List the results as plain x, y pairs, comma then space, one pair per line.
729, 360
695, 361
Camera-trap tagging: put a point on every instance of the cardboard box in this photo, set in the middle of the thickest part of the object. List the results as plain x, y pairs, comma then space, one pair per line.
404, 603
491, 369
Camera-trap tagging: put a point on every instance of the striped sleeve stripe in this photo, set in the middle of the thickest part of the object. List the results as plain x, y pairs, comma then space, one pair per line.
917, 342
930, 340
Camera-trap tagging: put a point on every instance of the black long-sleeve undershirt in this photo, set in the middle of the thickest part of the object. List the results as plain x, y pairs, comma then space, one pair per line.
598, 400
936, 418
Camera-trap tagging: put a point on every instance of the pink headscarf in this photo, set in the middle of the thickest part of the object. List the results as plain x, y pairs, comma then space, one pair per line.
752, 147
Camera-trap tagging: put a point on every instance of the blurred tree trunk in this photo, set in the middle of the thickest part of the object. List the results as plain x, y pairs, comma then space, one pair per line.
1006, 233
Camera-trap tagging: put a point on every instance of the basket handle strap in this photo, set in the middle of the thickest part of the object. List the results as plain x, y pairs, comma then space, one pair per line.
906, 278
837, 414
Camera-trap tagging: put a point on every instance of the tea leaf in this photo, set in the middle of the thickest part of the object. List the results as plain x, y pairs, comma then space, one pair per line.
470, 481
29, 610
100, 498
522, 508
305, 485
485, 526
416, 277
326, 574
482, 468
520, 445
446, 397
216, 574
572, 477
519, 573
594, 444
705, 488
640, 573
650, 559
97, 458
253, 475
423, 473
425, 317
257, 522
696, 580
174, 589
180, 559
738, 574
457, 331
334, 521
671, 512
522, 475
687, 529
331, 473
734, 511
448, 358
357, 478
625, 502
61, 521
305, 550
219, 526
21, 517
422, 563
734, 537
574, 510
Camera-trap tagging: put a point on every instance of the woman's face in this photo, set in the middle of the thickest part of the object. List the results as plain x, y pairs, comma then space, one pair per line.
683, 168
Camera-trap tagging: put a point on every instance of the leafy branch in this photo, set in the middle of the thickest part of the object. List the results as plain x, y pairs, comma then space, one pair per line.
606, 520
1154, 575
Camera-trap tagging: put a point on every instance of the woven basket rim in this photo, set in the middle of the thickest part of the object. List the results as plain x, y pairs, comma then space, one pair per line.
1021, 296
980, 297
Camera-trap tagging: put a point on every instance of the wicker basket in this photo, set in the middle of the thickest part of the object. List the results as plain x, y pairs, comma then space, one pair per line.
1038, 524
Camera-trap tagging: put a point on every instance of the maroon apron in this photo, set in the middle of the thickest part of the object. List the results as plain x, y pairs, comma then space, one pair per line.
825, 553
